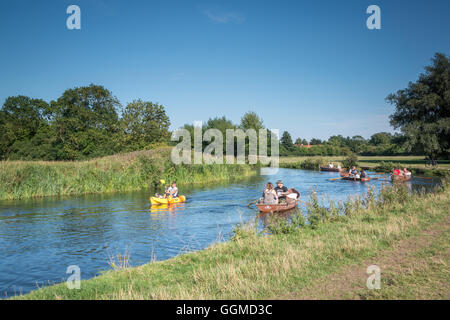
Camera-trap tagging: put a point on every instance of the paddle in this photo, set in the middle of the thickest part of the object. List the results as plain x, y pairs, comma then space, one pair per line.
335, 179
253, 202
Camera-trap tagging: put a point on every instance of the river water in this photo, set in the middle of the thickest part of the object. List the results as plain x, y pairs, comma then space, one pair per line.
40, 238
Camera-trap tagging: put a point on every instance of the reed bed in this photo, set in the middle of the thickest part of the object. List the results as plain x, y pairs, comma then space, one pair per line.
118, 173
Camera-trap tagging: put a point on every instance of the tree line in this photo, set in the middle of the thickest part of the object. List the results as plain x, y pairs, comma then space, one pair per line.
85, 122
88, 122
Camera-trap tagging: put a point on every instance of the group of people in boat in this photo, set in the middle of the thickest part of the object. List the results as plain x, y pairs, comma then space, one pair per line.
402, 173
278, 194
331, 166
353, 173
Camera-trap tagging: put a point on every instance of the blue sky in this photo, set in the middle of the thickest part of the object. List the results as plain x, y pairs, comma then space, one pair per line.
309, 67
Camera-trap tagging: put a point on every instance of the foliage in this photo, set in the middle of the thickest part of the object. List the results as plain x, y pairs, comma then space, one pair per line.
422, 110
83, 123
286, 141
350, 161
250, 120
144, 123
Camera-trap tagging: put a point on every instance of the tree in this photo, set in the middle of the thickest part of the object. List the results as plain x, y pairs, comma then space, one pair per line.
21, 118
350, 161
422, 110
381, 138
86, 123
298, 141
144, 123
250, 120
338, 141
315, 141
286, 141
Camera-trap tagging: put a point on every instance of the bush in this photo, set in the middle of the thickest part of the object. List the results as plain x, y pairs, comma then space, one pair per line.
311, 164
350, 161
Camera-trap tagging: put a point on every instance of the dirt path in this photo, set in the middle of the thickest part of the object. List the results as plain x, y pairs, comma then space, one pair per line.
403, 258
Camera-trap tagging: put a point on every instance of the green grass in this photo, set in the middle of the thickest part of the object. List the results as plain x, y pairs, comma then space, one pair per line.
417, 164
426, 276
123, 172
252, 266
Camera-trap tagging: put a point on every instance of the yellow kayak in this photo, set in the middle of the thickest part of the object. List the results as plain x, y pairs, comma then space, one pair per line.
170, 200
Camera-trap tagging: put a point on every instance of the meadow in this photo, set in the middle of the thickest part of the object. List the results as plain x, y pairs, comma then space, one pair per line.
300, 254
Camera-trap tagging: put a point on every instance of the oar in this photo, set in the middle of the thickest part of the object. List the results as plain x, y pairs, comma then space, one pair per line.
253, 202
335, 179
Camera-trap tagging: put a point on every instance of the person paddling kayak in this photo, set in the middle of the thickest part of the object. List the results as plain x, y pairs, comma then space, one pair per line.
172, 191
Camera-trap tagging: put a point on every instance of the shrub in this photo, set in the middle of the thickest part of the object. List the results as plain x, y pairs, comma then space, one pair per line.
350, 161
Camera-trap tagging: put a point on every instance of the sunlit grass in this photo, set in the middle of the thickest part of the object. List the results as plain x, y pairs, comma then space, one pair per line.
122, 172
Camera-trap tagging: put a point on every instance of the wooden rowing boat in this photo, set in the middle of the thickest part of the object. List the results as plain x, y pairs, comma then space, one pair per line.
346, 176
400, 178
329, 169
281, 207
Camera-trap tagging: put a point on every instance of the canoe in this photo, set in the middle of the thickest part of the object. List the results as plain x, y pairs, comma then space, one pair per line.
270, 208
329, 169
400, 178
158, 201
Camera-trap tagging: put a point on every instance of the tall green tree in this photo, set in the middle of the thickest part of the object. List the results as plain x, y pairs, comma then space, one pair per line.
144, 123
381, 138
86, 123
422, 110
21, 118
286, 141
250, 120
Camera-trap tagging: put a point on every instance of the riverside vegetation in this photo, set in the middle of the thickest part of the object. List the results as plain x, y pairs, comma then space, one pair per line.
122, 172
290, 255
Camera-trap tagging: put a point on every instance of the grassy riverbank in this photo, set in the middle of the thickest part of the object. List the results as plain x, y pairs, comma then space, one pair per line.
123, 172
295, 257
417, 164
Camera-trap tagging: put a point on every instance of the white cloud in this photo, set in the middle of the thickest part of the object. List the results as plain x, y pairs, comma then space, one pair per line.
219, 16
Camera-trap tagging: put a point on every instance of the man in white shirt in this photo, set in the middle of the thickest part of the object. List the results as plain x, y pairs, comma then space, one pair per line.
173, 190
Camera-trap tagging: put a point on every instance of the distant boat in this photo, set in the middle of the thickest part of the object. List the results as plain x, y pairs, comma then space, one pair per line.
329, 169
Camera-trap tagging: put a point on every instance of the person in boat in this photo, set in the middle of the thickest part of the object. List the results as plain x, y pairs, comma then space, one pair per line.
172, 191
396, 172
269, 195
331, 165
339, 166
293, 194
281, 190
352, 173
406, 173
363, 174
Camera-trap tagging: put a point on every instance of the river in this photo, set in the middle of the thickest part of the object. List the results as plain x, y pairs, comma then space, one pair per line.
40, 238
